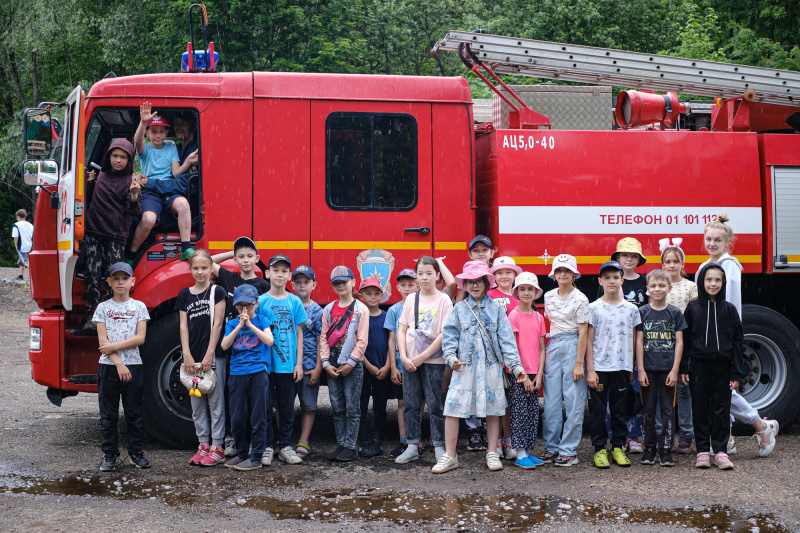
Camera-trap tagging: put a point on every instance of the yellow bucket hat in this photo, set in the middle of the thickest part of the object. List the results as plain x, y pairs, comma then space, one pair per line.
629, 245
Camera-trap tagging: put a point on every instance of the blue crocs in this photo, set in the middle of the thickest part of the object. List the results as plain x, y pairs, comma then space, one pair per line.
525, 463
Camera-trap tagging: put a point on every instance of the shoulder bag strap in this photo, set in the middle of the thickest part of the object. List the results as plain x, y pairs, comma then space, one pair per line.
483, 330
416, 310
341, 321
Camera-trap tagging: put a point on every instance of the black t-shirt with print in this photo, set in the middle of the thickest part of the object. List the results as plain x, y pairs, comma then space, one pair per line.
198, 316
659, 328
229, 281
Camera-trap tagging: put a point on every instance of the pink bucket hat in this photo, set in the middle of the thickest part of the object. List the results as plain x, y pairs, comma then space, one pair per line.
566, 261
474, 270
527, 278
505, 263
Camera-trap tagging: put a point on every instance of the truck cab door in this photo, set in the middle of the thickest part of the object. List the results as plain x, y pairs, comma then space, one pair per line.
70, 194
371, 188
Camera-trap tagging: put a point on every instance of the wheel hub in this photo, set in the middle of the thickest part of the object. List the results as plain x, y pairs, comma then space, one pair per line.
170, 389
766, 368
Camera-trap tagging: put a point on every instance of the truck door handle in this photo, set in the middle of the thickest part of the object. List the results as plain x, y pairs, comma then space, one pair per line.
422, 230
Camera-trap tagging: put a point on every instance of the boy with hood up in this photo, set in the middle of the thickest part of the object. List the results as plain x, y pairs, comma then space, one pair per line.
114, 198
712, 365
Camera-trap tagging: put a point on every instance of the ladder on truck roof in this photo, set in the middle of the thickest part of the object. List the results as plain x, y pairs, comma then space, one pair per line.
607, 66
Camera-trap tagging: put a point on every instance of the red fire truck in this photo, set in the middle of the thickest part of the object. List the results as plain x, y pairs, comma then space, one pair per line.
375, 171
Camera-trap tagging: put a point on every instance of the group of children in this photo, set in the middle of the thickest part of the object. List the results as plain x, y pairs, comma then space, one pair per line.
476, 353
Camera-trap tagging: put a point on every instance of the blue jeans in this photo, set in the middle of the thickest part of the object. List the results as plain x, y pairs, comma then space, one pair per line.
345, 394
281, 396
248, 401
428, 383
561, 354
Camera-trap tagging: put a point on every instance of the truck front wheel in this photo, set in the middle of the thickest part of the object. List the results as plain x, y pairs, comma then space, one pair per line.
167, 407
772, 356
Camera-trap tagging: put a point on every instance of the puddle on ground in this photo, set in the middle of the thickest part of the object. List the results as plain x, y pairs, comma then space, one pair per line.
506, 512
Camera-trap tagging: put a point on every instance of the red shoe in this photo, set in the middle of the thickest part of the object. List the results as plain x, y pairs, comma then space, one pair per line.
215, 456
202, 451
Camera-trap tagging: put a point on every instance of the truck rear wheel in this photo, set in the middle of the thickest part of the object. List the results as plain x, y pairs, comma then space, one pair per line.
167, 407
772, 356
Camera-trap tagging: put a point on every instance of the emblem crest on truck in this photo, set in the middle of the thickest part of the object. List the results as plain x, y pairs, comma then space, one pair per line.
378, 264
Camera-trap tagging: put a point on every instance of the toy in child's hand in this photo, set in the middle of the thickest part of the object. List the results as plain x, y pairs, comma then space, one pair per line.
203, 382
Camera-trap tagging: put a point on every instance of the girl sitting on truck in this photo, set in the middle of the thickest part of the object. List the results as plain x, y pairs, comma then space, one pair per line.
477, 342
202, 312
718, 239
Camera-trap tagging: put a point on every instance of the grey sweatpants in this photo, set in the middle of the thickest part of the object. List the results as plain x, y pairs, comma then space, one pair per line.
215, 404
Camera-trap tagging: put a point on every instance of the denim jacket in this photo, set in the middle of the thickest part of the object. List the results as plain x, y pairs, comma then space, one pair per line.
461, 331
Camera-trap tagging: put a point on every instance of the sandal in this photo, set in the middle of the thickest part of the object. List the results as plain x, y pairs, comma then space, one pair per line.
302, 449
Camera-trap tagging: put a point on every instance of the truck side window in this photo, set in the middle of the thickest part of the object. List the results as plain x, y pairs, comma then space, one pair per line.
371, 161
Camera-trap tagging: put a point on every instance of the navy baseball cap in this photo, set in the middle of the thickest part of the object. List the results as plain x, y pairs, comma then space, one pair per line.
614, 265
245, 294
341, 273
407, 273
120, 267
244, 242
306, 271
278, 258
480, 238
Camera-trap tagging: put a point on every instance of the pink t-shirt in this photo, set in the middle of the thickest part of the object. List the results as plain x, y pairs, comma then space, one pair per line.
507, 301
529, 328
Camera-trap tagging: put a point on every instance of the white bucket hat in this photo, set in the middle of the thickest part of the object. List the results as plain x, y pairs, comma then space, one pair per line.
527, 278
505, 263
565, 261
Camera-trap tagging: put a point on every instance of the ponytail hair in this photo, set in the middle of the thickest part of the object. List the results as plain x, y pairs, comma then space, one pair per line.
720, 224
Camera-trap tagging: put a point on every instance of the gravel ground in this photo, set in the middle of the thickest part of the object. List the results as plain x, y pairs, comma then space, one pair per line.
49, 480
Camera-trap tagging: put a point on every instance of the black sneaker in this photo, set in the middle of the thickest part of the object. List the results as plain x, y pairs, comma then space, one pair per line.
548, 457
20, 278
365, 450
666, 458
139, 460
377, 449
475, 443
399, 449
108, 463
347, 455
649, 456
333, 456
484, 441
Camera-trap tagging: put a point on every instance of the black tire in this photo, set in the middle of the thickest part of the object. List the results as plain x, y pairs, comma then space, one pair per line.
167, 407
772, 353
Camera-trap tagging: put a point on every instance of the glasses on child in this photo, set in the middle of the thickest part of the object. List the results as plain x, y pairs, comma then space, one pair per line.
473, 282
242, 307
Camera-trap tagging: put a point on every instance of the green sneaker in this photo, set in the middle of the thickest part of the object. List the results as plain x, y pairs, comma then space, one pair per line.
601, 459
619, 457
186, 254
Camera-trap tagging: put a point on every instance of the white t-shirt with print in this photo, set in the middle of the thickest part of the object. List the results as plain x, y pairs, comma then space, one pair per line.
682, 293
433, 313
121, 320
566, 313
612, 343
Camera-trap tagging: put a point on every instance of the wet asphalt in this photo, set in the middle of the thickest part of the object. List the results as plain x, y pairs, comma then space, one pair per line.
49, 479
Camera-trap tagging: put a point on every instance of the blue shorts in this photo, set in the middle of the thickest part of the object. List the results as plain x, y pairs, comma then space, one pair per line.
23, 258
161, 205
308, 395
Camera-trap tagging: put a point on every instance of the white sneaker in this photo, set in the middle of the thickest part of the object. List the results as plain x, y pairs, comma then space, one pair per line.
288, 455
230, 447
407, 456
445, 464
772, 431
493, 461
266, 459
509, 453
731, 445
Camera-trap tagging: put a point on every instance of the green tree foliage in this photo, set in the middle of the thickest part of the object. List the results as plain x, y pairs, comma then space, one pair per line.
47, 47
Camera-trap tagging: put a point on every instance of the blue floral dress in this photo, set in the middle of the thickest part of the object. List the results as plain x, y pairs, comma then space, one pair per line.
477, 390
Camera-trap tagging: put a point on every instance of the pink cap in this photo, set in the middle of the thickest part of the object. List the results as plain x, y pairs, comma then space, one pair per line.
505, 263
370, 282
474, 270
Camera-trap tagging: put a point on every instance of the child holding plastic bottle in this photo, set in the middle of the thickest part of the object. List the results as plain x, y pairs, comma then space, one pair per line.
477, 341
523, 398
201, 308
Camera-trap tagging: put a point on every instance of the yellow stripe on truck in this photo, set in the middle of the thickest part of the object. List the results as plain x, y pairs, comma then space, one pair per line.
460, 245
266, 245
64, 245
600, 259
367, 245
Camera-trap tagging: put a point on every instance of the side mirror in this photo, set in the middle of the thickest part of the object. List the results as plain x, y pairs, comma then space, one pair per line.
38, 134
36, 172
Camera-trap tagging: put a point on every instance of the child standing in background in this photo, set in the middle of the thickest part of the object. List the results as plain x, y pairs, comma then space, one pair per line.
609, 364
202, 313
523, 398
342, 342
659, 347
682, 292
304, 282
286, 368
406, 284
478, 341
377, 384
564, 374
